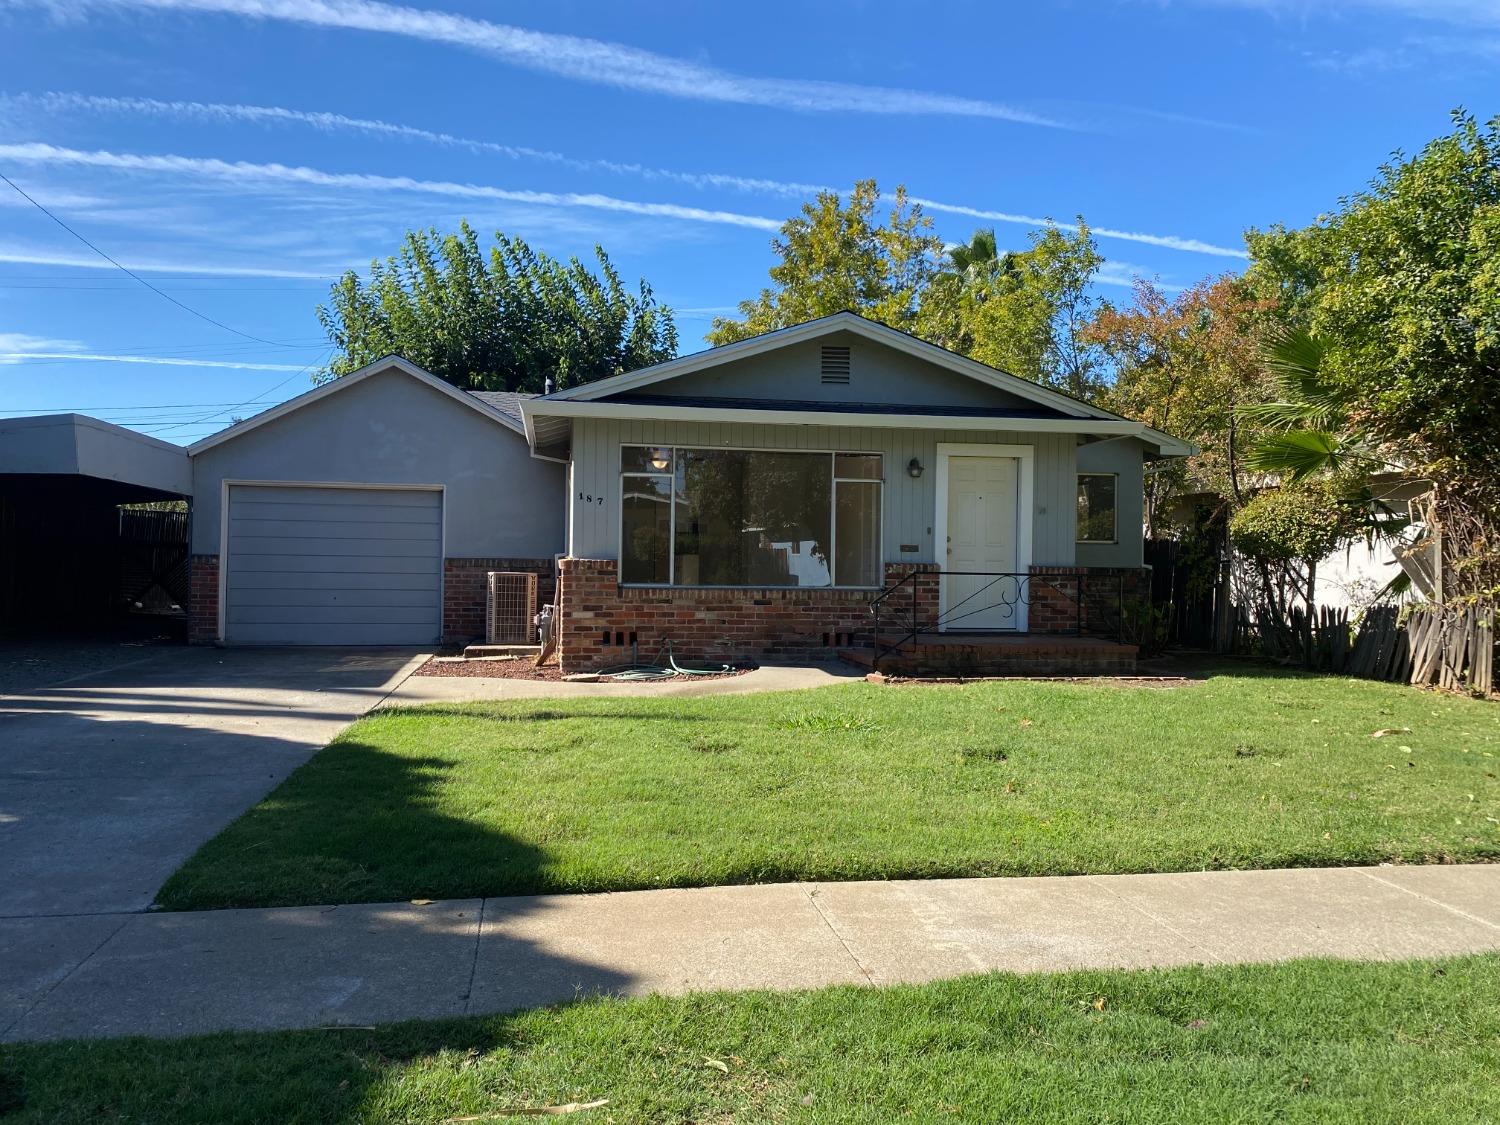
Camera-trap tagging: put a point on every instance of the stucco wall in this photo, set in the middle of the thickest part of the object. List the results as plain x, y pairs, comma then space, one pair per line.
391, 429
910, 505
877, 374
1126, 459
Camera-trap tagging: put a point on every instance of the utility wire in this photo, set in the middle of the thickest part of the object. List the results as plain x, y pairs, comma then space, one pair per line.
255, 398
162, 293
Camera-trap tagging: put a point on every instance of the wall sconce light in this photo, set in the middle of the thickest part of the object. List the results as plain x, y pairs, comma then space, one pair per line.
660, 461
914, 468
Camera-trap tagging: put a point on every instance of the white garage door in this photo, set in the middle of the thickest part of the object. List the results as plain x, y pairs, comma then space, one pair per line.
333, 566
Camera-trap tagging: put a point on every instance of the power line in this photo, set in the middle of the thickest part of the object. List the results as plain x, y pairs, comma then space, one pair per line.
163, 294
263, 394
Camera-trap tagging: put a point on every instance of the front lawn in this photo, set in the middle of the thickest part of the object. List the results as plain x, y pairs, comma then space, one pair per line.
1250, 769
1309, 1041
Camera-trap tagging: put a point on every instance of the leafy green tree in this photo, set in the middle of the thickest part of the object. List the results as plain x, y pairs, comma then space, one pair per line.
507, 320
1024, 311
835, 257
1399, 288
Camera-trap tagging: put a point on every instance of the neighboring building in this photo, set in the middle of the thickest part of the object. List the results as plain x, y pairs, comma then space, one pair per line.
754, 499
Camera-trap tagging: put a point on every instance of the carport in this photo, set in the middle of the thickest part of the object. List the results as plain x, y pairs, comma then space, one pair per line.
68, 557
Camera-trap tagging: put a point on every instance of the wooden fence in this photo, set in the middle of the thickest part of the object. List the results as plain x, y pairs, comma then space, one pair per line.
1450, 647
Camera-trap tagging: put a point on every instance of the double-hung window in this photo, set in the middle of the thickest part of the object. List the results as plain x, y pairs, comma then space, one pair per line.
748, 517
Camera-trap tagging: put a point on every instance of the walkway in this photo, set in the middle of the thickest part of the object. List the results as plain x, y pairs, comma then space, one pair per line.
175, 974
769, 677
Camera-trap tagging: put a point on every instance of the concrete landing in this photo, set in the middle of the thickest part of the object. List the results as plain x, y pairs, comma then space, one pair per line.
176, 974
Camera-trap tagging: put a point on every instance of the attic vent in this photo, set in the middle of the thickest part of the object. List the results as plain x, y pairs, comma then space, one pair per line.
836, 365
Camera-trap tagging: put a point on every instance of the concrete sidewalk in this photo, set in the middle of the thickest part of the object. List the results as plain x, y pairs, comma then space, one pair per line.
175, 974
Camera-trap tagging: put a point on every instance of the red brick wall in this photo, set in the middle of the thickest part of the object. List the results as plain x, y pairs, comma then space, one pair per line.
1105, 593
203, 599
464, 593
600, 618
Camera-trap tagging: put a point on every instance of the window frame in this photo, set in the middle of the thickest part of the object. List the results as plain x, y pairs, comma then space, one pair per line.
833, 481
1114, 512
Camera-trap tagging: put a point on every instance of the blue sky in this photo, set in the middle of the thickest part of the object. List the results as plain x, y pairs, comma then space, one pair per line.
240, 153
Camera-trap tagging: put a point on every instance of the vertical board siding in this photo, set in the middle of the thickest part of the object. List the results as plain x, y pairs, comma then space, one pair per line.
910, 505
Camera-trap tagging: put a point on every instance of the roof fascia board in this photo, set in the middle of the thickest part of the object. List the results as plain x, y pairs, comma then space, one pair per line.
843, 321
317, 394
555, 409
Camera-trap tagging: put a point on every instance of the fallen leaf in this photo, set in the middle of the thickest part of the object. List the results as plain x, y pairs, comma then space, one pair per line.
1390, 730
716, 1064
1025, 723
421, 902
1099, 1004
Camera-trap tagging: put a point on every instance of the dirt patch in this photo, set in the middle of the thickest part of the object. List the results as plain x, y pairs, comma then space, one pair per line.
1098, 681
522, 669
518, 669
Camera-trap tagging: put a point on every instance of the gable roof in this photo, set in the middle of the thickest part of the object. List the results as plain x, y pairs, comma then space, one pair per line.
492, 411
823, 326
621, 395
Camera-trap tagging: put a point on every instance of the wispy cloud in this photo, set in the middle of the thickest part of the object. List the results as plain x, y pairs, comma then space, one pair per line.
29, 257
221, 112
1463, 13
588, 60
13, 343
243, 172
150, 360
1169, 241
214, 111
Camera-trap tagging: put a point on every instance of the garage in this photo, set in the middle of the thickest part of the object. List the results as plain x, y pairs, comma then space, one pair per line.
321, 565
368, 511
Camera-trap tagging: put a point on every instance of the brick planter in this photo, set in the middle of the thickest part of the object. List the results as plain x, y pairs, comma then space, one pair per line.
604, 623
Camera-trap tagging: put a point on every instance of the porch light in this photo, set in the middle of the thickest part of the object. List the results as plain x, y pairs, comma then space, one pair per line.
914, 468
660, 462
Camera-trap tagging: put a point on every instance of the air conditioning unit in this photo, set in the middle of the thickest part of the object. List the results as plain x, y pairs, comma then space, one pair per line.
510, 608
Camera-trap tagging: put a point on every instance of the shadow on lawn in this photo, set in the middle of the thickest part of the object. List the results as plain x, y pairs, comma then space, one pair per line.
490, 712
357, 824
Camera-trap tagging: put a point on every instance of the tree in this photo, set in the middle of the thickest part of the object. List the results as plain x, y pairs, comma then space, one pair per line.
1023, 311
1185, 365
507, 321
835, 257
1401, 285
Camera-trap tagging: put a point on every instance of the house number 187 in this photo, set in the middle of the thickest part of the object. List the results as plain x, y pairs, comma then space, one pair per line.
591, 499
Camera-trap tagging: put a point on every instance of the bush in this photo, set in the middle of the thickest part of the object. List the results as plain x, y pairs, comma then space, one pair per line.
1300, 523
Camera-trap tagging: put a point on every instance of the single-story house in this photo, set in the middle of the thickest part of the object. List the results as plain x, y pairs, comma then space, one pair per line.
757, 499
754, 500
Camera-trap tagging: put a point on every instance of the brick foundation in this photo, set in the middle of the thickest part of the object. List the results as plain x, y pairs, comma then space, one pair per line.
203, 599
604, 623
464, 593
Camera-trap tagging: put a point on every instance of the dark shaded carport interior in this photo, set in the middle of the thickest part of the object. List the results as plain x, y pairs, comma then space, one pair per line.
68, 559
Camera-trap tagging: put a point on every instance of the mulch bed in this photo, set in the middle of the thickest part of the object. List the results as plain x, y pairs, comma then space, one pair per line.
522, 669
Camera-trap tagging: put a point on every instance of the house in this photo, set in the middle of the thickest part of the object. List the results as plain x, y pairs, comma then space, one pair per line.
759, 499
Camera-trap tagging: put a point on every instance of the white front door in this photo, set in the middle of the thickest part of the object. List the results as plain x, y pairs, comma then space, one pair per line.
983, 505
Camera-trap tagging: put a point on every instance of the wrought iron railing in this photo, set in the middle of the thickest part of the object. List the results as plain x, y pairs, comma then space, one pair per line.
1096, 603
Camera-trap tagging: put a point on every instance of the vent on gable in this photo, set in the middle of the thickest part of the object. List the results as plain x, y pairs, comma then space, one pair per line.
836, 365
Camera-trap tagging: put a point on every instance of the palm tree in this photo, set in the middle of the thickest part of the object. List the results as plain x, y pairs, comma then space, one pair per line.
977, 258
1316, 434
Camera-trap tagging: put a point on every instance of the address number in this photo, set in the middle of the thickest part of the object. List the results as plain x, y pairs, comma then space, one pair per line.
587, 499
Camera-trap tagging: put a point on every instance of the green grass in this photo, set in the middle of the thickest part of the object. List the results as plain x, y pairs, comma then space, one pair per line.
1251, 769
1306, 1041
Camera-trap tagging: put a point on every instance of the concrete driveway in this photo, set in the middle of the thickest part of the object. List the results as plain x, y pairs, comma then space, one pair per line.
108, 782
